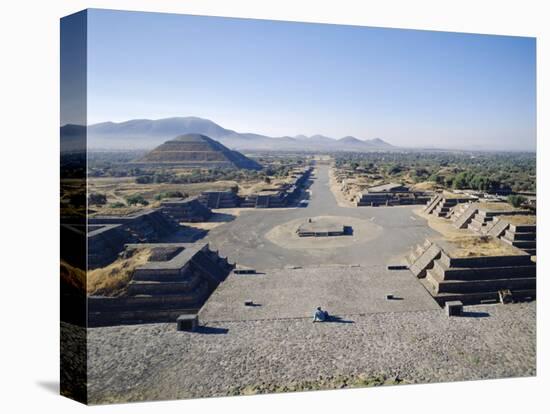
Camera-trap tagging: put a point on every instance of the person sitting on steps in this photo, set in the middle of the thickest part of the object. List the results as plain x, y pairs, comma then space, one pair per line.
320, 315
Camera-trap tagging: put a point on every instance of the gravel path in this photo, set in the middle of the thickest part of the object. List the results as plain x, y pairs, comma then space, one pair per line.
148, 362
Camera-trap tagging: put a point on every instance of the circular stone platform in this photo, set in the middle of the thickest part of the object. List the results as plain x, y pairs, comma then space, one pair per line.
286, 235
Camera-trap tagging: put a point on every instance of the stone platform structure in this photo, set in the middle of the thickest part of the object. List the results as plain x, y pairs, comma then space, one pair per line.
219, 199
390, 194
162, 290
520, 235
474, 279
441, 205
280, 196
322, 227
477, 216
107, 235
187, 210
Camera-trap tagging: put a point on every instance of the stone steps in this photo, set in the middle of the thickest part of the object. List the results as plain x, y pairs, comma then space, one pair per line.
417, 251
425, 261
523, 228
510, 235
477, 279
486, 261
476, 297
466, 215
474, 286
432, 204
473, 273
498, 228
521, 244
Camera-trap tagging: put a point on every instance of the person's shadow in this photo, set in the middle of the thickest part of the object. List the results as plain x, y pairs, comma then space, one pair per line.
337, 319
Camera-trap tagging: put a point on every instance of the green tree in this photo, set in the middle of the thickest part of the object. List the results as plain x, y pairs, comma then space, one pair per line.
97, 199
136, 199
516, 200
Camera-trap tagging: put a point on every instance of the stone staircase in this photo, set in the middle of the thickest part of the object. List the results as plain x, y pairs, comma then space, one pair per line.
432, 204
444, 205
422, 257
464, 214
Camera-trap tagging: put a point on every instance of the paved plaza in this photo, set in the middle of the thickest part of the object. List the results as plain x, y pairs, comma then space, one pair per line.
296, 293
256, 238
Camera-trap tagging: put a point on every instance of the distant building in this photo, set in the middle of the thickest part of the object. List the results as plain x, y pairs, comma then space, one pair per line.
390, 194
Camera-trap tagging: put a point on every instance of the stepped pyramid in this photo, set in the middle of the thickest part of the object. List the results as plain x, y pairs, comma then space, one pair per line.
196, 150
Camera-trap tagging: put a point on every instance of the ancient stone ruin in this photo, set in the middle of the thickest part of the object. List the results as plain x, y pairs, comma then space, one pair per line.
107, 235
187, 210
273, 196
322, 227
219, 199
441, 204
450, 272
197, 151
389, 195
177, 280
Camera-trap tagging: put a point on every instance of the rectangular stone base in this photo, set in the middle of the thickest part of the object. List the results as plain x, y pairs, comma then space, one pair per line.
187, 322
454, 308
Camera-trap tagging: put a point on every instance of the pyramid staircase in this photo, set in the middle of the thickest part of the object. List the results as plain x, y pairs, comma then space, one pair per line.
422, 257
432, 204
465, 212
444, 205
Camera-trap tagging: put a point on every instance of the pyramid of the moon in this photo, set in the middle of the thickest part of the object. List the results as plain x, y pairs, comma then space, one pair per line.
196, 150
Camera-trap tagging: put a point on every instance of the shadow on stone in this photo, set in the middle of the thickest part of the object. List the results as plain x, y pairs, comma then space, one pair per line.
474, 314
50, 386
221, 218
211, 330
338, 319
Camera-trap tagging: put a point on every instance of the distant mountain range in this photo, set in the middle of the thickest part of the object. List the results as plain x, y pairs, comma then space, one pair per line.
147, 134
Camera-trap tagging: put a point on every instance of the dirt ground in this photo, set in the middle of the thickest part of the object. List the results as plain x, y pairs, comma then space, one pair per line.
479, 246
521, 219
335, 188
442, 225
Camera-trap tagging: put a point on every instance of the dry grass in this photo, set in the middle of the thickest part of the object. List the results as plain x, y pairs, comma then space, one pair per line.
113, 279
495, 206
480, 246
72, 277
449, 195
425, 186
521, 219
121, 211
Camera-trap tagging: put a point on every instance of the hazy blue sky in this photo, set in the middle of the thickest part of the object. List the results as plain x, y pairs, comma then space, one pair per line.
411, 88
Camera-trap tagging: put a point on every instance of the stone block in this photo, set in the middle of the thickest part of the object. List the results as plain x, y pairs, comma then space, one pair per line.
187, 322
454, 308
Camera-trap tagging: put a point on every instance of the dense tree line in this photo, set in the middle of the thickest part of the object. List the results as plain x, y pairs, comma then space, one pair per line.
476, 170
